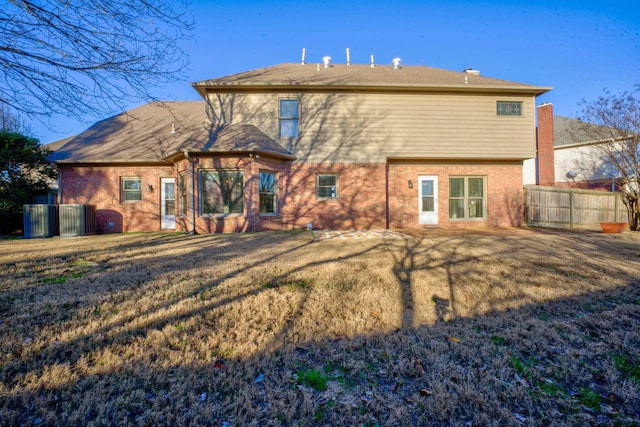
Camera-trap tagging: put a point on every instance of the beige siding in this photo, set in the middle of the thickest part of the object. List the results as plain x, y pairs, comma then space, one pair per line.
372, 127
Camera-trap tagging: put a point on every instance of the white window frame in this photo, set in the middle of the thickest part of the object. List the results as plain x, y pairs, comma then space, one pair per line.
509, 108
469, 202
182, 194
335, 187
289, 119
124, 191
225, 207
273, 193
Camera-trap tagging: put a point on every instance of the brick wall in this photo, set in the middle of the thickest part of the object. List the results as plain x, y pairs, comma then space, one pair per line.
503, 183
360, 204
545, 158
100, 186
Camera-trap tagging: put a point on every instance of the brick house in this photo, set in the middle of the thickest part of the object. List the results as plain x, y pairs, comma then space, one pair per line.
337, 146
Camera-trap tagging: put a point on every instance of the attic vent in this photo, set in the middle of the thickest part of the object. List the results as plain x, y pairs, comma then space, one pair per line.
396, 63
326, 60
472, 71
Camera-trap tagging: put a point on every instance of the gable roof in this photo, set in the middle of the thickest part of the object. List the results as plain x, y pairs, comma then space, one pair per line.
313, 76
153, 132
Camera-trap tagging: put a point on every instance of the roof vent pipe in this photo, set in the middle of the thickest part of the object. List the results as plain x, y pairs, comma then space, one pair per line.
304, 53
372, 63
326, 60
396, 63
471, 71
348, 57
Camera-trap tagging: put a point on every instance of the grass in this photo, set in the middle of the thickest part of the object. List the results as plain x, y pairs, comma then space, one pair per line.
589, 398
628, 367
312, 378
443, 328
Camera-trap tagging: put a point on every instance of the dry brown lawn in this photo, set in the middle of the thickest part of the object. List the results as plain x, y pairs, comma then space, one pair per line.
519, 327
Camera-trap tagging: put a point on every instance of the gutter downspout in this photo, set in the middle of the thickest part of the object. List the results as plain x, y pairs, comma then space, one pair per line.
193, 192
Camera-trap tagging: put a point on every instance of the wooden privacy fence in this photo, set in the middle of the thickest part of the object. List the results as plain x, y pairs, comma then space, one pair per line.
571, 208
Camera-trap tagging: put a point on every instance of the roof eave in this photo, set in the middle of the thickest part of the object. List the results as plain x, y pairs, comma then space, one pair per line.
591, 142
456, 160
203, 88
188, 153
114, 162
200, 89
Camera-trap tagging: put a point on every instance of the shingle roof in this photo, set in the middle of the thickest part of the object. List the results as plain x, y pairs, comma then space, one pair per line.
155, 131
239, 138
53, 146
569, 131
143, 134
357, 75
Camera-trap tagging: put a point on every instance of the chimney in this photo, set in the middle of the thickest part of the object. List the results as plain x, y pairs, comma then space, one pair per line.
544, 140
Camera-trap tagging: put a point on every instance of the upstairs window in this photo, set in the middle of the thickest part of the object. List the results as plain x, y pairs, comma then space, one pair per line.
289, 116
221, 192
327, 186
131, 190
509, 108
267, 190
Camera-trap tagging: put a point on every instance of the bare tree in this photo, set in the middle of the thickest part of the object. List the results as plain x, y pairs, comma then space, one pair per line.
74, 57
613, 121
12, 122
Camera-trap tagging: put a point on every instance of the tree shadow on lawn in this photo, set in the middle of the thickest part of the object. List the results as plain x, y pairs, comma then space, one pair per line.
501, 356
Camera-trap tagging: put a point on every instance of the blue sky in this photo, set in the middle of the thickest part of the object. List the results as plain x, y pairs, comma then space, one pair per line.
578, 47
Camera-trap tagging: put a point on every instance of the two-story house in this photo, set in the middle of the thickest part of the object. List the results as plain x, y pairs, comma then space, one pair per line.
337, 146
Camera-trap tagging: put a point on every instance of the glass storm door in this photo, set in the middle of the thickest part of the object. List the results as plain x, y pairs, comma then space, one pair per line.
428, 200
168, 203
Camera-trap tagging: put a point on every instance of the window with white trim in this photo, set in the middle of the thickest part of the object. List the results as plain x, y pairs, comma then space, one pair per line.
221, 192
327, 186
289, 116
131, 189
509, 108
267, 188
182, 191
467, 198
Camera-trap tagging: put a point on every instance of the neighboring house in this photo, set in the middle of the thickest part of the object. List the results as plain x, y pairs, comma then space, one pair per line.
570, 154
335, 146
579, 157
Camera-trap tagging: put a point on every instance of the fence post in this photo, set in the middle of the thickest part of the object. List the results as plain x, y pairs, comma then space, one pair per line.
571, 207
617, 208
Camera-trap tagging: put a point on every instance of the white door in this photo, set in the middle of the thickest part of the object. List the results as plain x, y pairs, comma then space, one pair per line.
168, 203
428, 199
